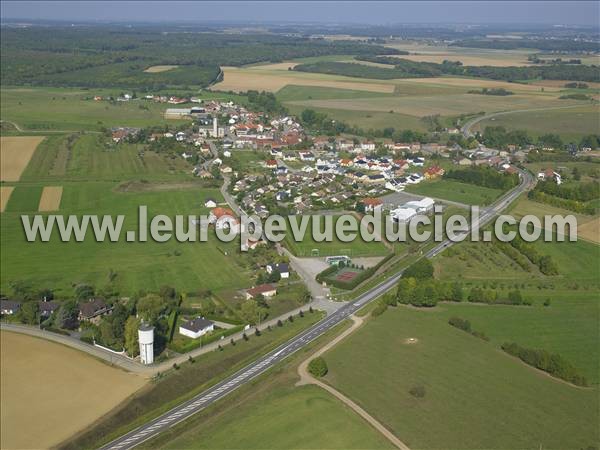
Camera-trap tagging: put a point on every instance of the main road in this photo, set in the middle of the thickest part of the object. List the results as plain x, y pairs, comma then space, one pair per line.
264, 363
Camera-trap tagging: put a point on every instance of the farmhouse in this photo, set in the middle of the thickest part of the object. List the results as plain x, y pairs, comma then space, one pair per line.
196, 327
266, 290
93, 310
282, 268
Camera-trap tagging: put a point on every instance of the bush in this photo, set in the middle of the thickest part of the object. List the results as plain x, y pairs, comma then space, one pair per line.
420, 270
318, 367
417, 391
379, 309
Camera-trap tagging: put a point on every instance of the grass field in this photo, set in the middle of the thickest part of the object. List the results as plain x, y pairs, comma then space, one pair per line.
456, 191
571, 123
475, 395
16, 152
140, 265
50, 391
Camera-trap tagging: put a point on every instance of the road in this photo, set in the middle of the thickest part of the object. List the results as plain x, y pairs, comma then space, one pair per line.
466, 129
264, 363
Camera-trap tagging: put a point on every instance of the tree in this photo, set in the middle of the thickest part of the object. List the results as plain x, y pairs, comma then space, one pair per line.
30, 313
318, 367
457, 292
106, 332
150, 307
420, 270
84, 291
131, 335
251, 312
167, 292
66, 316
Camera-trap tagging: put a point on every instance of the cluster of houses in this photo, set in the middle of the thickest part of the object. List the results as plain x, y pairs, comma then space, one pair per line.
90, 310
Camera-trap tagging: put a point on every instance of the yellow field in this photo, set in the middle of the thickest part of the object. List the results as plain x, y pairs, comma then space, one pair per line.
158, 69
480, 83
590, 230
16, 151
273, 77
49, 391
5, 192
467, 60
50, 199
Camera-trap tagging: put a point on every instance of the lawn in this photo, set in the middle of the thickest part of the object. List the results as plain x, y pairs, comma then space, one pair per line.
475, 395
456, 191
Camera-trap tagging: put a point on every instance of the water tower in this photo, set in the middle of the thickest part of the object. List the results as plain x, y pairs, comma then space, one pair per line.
146, 339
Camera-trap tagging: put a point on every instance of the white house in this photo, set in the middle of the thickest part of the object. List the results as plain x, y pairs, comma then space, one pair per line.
266, 290
196, 327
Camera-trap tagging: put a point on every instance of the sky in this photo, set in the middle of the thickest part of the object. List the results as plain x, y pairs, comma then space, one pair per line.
358, 12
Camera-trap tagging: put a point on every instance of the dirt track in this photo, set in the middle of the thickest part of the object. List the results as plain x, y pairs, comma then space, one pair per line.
307, 378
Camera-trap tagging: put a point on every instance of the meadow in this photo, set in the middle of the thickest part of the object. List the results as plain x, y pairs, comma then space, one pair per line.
455, 191
462, 377
569, 123
50, 391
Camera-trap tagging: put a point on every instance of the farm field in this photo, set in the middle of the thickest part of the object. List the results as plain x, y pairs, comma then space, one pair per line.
50, 391
571, 123
74, 109
139, 265
16, 152
5, 193
86, 157
588, 227
533, 408
455, 191
50, 199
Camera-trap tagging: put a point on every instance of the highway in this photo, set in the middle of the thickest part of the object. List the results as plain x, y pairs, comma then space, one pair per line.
264, 363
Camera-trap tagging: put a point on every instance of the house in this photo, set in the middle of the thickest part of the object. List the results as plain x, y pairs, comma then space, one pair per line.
8, 307
371, 204
47, 308
196, 327
271, 164
550, 175
282, 268
266, 290
93, 309
433, 172
210, 203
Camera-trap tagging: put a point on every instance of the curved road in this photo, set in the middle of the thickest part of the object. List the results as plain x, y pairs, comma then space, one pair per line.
466, 129
264, 363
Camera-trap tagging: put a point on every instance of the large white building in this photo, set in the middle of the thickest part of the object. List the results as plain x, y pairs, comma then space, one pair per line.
403, 215
146, 339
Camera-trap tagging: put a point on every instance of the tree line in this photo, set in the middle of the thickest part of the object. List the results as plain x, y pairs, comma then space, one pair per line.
484, 176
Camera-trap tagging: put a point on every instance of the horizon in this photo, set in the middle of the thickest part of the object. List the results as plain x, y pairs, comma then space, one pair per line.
377, 13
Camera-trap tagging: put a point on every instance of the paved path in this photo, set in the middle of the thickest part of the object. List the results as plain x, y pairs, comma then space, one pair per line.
307, 378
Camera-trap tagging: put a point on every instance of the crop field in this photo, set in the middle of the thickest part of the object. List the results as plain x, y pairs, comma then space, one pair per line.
50, 391
88, 158
570, 123
50, 199
273, 79
72, 109
158, 69
462, 376
16, 152
456, 191
5, 192
188, 265
588, 227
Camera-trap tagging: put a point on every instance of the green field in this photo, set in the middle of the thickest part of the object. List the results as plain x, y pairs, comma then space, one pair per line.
571, 123
357, 247
139, 265
475, 395
456, 191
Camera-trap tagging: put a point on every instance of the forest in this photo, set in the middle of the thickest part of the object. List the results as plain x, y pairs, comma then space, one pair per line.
88, 56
